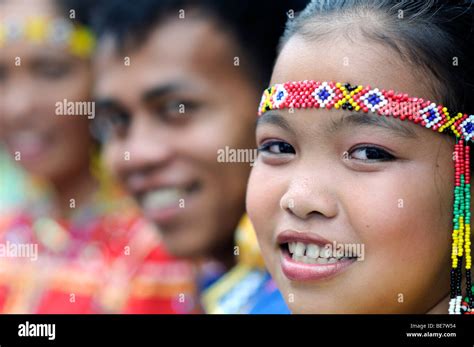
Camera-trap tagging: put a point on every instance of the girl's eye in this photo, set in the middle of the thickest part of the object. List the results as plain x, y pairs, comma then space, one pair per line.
276, 147
370, 154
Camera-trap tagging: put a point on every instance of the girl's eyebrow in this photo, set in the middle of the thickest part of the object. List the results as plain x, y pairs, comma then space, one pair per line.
272, 117
351, 120
397, 127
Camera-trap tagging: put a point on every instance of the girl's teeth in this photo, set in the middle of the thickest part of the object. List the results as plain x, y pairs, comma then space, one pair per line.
292, 246
304, 259
300, 249
297, 257
311, 260
321, 261
312, 251
325, 253
312, 254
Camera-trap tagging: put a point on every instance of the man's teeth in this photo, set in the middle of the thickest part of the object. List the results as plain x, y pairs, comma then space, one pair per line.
161, 198
312, 254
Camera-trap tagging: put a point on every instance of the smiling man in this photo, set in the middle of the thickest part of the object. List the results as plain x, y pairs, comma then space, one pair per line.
178, 81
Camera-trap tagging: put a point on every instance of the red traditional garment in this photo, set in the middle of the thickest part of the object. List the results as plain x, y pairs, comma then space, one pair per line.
104, 259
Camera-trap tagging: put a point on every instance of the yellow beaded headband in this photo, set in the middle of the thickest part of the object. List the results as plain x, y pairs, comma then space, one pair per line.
314, 94
78, 39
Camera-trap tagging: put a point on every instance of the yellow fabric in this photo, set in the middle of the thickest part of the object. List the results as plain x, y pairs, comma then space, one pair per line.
246, 241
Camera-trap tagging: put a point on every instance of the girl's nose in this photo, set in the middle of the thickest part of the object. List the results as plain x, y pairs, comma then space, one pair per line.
305, 200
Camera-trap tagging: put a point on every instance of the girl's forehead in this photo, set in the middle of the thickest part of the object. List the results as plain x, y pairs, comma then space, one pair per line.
366, 62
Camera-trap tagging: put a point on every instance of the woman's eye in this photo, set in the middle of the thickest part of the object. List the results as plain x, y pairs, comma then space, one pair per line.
276, 147
52, 71
370, 153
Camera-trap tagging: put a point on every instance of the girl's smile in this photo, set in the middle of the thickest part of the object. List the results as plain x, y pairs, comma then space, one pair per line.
306, 256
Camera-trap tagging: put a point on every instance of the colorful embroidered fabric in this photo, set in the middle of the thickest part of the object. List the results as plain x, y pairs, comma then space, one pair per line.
105, 259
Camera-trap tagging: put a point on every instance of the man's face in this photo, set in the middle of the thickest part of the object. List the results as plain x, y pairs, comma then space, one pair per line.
170, 105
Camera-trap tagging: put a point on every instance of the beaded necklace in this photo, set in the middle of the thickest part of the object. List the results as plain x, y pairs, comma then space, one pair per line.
314, 94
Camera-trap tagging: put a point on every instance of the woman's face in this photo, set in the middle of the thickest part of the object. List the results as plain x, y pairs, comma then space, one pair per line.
33, 78
383, 186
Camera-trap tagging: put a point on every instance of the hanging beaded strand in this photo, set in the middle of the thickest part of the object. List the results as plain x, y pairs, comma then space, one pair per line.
461, 247
328, 95
467, 305
457, 235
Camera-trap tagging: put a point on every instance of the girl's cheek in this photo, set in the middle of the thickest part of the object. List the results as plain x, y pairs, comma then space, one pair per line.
403, 217
262, 202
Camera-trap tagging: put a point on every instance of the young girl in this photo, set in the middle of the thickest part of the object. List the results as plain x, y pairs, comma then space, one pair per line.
363, 136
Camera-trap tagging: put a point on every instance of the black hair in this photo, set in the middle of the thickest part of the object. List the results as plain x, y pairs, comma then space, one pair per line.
256, 26
436, 36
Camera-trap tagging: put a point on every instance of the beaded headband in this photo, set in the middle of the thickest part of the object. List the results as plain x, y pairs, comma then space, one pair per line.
78, 39
313, 94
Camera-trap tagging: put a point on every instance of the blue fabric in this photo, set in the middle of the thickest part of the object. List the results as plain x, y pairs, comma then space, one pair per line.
268, 300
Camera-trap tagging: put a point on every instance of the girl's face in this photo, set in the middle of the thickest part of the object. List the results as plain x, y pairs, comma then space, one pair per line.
378, 184
33, 78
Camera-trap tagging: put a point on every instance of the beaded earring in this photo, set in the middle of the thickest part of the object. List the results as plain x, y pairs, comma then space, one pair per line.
315, 94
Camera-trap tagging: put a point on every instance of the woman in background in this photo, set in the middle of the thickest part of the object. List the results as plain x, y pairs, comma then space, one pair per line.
78, 245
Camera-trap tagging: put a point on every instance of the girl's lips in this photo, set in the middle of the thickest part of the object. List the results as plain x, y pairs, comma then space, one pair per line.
297, 271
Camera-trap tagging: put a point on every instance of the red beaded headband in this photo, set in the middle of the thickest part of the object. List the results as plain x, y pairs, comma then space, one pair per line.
313, 94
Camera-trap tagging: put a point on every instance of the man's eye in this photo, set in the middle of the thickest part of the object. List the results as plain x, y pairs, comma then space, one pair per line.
118, 119
370, 153
175, 110
276, 147
113, 124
